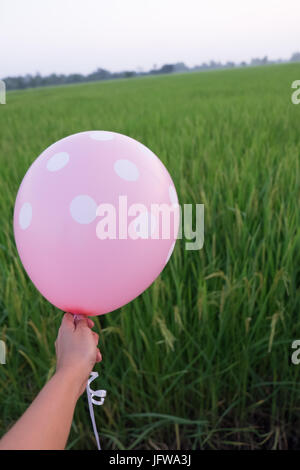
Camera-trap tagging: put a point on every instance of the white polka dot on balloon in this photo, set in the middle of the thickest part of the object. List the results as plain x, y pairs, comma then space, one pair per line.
101, 135
58, 161
83, 209
173, 195
170, 252
25, 215
145, 225
127, 170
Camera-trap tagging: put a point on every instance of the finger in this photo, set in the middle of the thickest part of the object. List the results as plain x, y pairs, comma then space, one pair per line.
98, 356
91, 324
96, 337
81, 323
68, 319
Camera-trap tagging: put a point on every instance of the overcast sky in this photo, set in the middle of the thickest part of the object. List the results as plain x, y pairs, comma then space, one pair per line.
66, 36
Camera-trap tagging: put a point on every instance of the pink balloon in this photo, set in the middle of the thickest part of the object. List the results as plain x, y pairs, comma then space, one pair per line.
59, 221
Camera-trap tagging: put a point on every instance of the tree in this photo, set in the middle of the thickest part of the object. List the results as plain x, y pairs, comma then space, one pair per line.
295, 57
167, 68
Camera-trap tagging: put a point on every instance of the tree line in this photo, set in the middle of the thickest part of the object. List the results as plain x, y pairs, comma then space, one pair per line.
37, 80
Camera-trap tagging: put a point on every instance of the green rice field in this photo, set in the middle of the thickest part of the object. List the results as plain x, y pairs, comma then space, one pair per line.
202, 359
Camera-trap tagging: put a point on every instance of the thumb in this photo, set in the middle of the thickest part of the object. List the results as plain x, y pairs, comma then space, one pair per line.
81, 322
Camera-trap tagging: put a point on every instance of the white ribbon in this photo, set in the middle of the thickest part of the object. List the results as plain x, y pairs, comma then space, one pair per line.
100, 394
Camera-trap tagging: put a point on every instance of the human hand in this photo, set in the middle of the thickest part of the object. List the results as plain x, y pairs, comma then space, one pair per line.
76, 350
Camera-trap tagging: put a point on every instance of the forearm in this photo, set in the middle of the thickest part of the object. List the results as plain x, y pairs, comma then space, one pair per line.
46, 423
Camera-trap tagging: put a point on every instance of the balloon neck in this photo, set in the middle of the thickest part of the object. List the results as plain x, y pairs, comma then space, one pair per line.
78, 316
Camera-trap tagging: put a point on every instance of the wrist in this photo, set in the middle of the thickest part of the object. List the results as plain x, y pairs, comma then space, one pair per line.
73, 382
